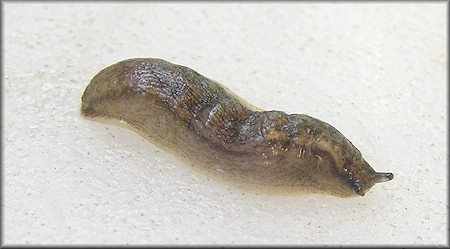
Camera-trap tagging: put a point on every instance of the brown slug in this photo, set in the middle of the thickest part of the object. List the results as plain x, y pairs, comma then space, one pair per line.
215, 132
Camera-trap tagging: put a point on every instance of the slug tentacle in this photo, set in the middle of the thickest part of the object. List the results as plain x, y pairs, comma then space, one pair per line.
207, 126
383, 177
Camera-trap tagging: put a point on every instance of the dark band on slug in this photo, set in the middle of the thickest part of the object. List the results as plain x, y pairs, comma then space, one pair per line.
211, 129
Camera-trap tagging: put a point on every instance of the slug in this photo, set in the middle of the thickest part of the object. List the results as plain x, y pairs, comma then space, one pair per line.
215, 132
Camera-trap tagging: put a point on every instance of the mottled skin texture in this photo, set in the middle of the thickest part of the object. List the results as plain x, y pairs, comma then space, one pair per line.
209, 128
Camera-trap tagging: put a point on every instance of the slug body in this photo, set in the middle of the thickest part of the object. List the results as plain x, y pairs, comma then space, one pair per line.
215, 132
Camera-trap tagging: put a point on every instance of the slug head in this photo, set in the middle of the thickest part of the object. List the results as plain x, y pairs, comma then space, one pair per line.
337, 165
363, 177
347, 173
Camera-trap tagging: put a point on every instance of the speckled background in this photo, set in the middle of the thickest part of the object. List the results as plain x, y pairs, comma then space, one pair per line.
377, 72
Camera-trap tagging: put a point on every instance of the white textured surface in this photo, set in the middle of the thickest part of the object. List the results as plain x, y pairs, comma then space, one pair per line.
377, 72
